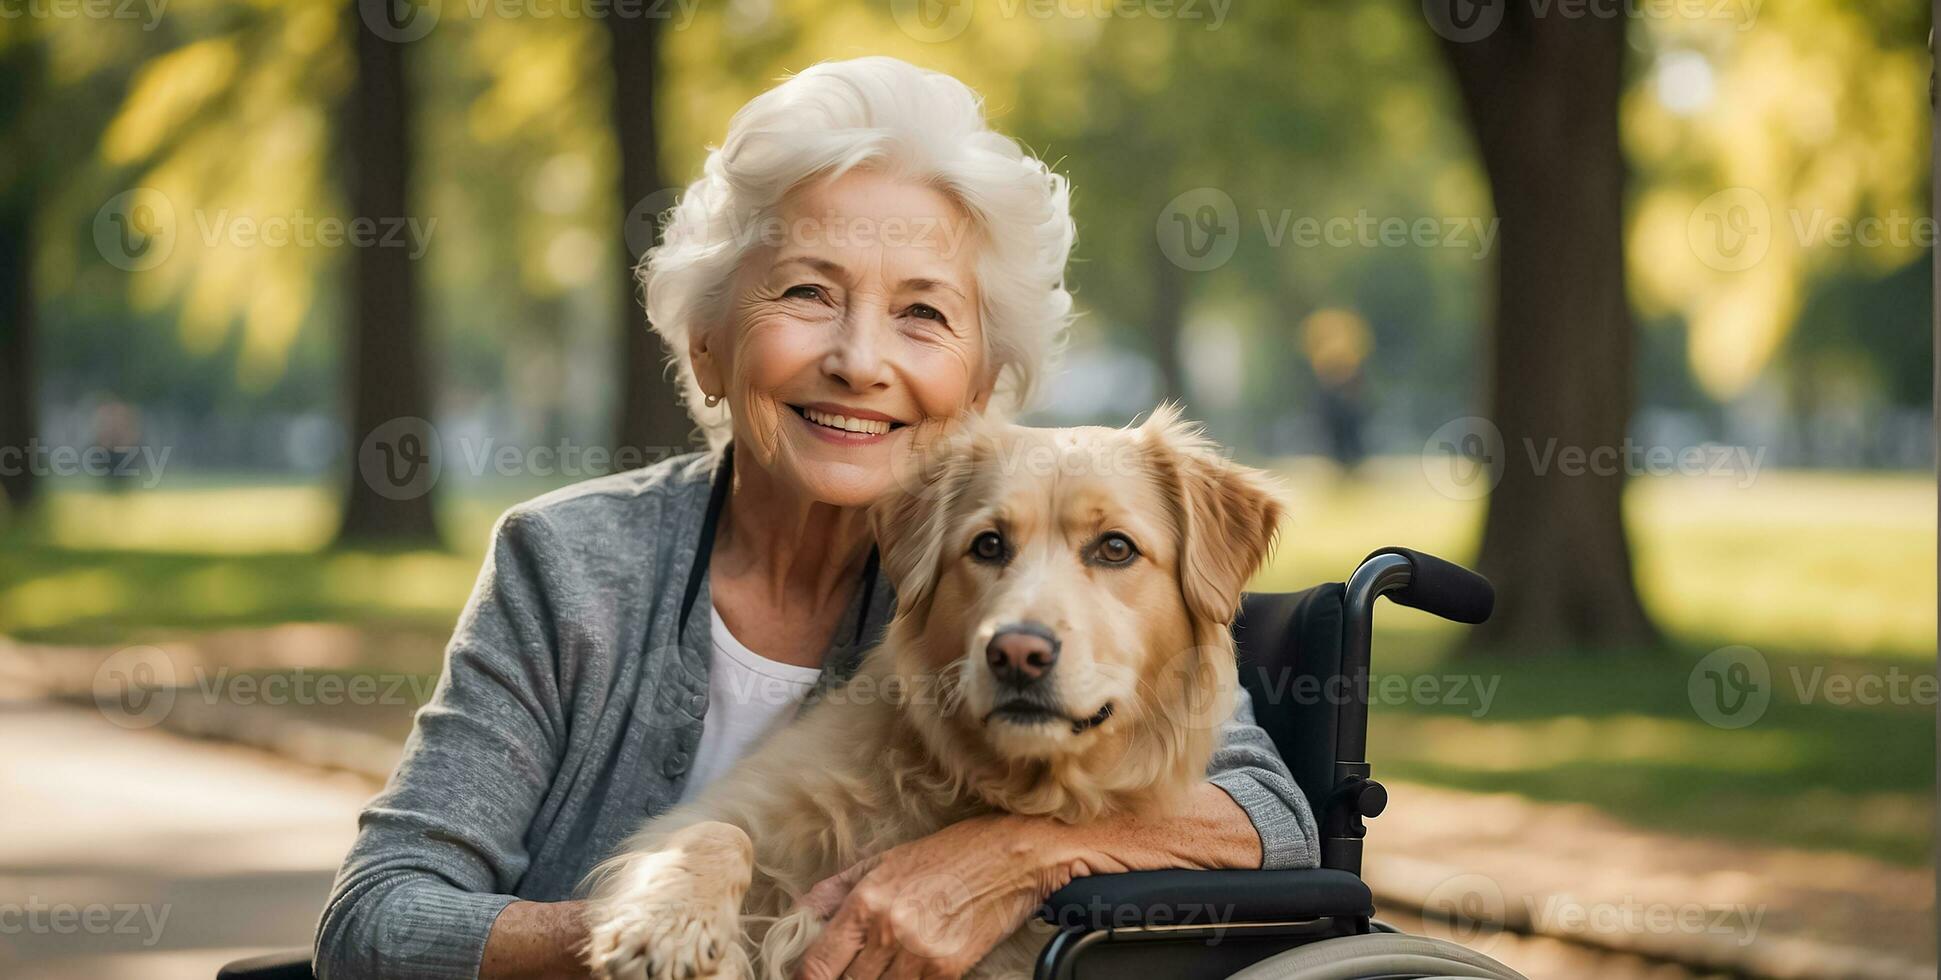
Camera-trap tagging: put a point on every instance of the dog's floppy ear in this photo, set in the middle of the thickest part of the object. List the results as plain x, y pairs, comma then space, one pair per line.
910, 521
1228, 514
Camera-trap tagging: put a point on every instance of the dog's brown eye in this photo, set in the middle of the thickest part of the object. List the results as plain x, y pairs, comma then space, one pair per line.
1115, 549
988, 546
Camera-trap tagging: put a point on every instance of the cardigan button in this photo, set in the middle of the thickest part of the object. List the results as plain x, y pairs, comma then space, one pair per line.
696, 703
674, 765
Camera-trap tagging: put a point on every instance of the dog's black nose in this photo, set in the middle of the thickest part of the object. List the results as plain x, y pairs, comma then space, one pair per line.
1022, 653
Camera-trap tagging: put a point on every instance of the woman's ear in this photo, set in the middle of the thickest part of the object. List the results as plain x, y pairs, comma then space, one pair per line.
701, 360
1228, 514
981, 397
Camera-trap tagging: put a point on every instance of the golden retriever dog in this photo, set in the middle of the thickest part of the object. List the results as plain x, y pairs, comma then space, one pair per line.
1060, 647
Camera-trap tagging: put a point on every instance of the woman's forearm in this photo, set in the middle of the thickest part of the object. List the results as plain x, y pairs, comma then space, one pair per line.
536, 939
1209, 831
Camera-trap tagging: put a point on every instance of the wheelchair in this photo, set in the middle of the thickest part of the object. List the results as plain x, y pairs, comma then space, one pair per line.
1304, 658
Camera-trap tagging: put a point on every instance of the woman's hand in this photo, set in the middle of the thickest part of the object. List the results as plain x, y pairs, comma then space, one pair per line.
934, 907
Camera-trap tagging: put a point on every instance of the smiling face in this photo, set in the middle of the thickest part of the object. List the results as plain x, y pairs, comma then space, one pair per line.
1068, 593
853, 328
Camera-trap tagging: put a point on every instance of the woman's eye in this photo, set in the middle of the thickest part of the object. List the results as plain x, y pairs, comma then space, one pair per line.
988, 547
924, 311
1115, 549
803, 292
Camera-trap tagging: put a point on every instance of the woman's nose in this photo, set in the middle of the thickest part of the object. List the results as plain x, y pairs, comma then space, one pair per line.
857, 358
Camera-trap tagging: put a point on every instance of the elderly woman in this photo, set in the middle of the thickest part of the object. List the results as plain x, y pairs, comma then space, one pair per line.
863, 258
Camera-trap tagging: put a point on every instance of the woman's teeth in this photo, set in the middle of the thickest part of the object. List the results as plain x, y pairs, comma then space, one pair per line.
872, 427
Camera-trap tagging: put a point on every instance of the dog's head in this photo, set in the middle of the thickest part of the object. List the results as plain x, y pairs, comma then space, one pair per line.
1067, 595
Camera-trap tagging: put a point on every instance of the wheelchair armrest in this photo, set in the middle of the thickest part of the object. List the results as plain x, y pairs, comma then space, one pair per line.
1185, 898
292, 964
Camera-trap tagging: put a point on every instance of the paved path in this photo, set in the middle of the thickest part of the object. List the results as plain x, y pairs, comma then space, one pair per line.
144, 854
1497, 862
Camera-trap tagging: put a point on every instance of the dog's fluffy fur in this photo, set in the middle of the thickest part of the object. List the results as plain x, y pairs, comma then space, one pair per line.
910, 745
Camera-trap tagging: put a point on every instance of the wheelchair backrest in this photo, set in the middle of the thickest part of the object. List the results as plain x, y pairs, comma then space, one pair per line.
1290, 647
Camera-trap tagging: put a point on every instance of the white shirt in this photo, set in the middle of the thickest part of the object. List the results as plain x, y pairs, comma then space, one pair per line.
749, 696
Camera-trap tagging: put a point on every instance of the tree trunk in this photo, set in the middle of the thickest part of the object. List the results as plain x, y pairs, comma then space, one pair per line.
1165, 325
652, 418
19, 176
395, 463
1542, 97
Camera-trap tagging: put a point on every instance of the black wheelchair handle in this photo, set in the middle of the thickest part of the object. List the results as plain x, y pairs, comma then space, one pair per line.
1443, 588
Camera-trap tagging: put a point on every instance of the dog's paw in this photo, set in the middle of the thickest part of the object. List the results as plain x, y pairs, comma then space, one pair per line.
674, 914
665, 941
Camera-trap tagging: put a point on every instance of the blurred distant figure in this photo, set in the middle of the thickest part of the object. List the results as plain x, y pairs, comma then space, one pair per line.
118, 431
1336, 342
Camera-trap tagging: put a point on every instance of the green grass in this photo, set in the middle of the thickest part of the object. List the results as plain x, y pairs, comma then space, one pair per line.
1813, 570
95, 567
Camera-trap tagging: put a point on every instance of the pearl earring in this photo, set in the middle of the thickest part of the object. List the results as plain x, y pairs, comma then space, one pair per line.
713, 400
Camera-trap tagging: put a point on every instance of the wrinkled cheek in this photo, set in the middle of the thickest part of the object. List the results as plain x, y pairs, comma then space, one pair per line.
942, 382
761, 422
761, 415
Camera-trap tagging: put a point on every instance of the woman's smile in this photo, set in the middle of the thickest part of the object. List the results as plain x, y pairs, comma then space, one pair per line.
844, 425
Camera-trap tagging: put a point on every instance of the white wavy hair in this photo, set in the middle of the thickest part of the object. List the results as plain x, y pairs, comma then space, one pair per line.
909, 122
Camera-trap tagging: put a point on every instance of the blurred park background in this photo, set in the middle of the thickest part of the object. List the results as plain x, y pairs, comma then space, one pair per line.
1629, 306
